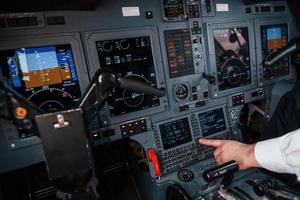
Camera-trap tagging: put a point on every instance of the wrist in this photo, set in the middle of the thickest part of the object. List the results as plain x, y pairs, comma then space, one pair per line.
251, 159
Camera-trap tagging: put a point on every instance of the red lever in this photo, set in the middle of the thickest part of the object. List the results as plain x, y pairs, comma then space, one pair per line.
153, 159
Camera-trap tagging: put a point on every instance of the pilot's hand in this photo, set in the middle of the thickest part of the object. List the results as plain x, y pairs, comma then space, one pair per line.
227, 150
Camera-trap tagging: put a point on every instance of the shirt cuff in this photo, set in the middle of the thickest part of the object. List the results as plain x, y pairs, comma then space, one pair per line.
268, 154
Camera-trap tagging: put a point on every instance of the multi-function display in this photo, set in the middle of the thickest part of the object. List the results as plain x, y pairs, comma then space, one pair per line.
46, 75
212, 122
179, 50
273, 38
232, 57
129, 57
175, 133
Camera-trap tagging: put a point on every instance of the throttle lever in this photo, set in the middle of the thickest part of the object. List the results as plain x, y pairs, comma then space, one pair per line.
268, 187
225, 170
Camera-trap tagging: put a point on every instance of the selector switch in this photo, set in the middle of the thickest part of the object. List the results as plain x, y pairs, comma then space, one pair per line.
197, 40
185, 175
211, 79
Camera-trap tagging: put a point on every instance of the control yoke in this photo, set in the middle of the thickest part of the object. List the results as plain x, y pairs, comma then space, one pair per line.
292, 46
105, 80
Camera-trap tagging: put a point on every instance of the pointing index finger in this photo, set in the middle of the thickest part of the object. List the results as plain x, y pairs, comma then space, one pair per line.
214, 143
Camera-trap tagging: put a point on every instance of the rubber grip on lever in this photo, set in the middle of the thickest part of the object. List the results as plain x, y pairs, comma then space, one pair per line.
220, 171
128, 83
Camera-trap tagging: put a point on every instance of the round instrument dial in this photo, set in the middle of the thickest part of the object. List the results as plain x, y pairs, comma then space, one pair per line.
107, 46
134, 98
233, 71
124, 44
181, 91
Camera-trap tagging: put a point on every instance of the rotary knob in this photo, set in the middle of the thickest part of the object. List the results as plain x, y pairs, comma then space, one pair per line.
185, 175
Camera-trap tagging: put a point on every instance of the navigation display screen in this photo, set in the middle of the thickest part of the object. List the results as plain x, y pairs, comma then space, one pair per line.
273, 38
129, 57
46, 75
232, 57
175, 133
212, 122
179, 50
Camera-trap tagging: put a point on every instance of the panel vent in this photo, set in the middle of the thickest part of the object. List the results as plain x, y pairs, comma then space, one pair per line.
56, 20
279, 8
265, 9
21, 20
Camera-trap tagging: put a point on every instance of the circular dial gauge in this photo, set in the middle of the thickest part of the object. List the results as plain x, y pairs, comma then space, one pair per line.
52, 99
233, 70
134, 98
107, 46
124, 44
181, 91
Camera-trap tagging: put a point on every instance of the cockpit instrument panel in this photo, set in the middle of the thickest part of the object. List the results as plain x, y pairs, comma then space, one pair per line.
46, 75
273, 38
179, 50
173, 10
129, 57
232, 57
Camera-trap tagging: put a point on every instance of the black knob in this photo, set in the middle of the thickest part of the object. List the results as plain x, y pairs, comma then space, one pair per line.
257, 188
211, 79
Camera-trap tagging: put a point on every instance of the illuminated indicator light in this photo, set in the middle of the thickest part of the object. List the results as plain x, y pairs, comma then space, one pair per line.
21, 112
153, 159
173, 65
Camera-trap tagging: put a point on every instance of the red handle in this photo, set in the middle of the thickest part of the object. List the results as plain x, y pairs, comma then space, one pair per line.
153, 159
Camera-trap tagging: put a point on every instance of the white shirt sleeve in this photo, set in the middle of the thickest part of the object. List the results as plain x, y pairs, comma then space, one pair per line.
280, 154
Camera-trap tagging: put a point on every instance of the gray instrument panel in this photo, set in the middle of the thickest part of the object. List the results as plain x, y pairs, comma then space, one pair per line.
183, 48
